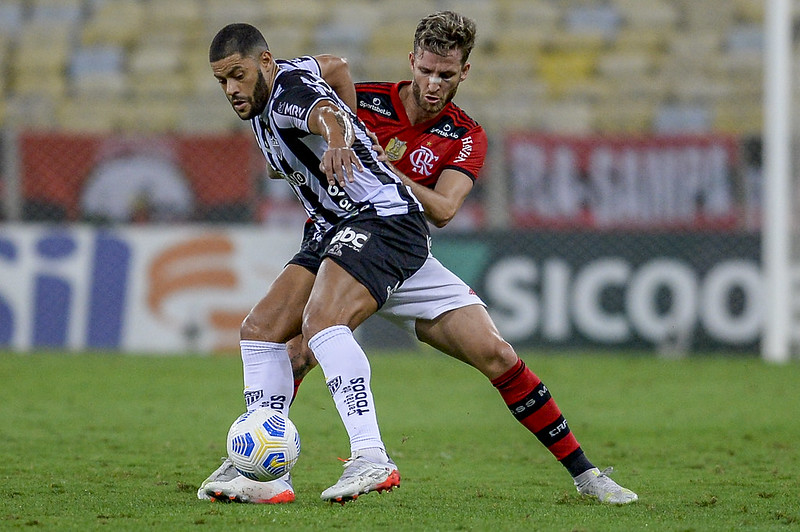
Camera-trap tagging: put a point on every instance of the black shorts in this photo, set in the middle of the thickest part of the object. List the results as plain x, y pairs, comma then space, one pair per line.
379, 251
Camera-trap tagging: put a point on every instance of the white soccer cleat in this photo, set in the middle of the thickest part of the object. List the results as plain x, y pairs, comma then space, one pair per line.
362, 475
224, 472
227, 485
597, 484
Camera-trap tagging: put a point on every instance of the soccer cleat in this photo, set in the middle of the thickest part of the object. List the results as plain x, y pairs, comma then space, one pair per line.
223, 473
362, 475
227, 485
597, 484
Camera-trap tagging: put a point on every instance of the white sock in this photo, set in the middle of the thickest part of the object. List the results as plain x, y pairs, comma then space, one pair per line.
268, 379
347, 374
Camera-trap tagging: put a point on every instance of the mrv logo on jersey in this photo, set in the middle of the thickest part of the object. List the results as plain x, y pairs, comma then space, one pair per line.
291, 109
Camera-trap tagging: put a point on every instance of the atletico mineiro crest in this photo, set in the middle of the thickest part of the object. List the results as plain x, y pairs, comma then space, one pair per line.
395, 149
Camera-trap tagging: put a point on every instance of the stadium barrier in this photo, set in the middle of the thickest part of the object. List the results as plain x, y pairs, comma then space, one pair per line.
186, 288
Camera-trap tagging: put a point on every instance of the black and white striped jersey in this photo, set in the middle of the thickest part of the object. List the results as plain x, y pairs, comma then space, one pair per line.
295, 154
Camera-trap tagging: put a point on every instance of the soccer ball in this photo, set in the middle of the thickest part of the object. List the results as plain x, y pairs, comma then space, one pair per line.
263, 444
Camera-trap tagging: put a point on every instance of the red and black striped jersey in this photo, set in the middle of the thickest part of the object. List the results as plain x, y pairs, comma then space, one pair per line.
422, 152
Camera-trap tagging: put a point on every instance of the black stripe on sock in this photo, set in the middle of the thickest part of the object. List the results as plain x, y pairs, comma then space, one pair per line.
553, 432
532, 402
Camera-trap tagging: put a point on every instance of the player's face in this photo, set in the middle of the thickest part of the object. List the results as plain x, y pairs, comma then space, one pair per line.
436, 78
244, 84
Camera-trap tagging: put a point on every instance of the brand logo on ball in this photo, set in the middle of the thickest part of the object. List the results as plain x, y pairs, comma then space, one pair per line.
275, 464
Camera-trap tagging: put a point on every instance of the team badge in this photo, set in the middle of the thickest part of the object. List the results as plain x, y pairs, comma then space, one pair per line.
395, 149
422, 160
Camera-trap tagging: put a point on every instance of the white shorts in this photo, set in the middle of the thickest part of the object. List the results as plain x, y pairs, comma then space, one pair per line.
427, 294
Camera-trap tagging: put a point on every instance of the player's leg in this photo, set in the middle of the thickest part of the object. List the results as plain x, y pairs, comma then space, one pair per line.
302, 359
470, 335
338, 304
444, 313
274, 320
267, 379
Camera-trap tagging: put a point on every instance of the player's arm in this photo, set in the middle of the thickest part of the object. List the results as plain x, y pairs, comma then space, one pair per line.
336, 72
333, 124
442, 202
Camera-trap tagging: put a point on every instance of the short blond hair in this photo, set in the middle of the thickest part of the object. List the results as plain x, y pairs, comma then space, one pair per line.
443, 32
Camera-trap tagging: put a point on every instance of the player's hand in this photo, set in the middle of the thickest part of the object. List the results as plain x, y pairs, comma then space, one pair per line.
338, 163
376, 146
394, 169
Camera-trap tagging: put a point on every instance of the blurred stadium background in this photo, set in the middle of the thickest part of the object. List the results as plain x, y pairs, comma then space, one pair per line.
621, 205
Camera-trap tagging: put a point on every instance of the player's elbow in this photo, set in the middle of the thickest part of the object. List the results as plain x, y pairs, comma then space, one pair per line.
441, 217
340, 65
337, 70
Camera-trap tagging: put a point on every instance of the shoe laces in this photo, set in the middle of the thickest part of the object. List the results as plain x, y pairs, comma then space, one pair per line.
350, 471
605, 481
607, 471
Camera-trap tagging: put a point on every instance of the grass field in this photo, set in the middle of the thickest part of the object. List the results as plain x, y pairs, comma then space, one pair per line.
93, 442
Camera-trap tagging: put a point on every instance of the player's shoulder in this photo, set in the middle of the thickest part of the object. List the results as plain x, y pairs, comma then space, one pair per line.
375, 97
460, 117
380, 87
305, 62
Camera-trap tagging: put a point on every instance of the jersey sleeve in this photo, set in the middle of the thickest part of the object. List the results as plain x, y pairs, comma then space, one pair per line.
300, 91
470, 153
305, 62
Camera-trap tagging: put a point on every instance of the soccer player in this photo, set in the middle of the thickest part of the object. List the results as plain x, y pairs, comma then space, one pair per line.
438, 151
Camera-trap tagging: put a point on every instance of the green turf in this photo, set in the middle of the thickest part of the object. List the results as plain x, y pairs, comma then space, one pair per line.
121, 442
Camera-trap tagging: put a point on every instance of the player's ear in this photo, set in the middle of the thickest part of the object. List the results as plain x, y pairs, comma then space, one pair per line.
464, 72
265, 59
411, 60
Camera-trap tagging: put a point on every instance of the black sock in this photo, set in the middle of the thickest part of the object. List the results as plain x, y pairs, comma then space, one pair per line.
577, 463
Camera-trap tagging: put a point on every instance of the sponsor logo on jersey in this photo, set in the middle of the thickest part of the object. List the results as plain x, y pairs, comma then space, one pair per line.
395, 149
295, 178
446, 128
338, 195
352, 238
290, 109
375, 106
422, 160
444, 131
466, 150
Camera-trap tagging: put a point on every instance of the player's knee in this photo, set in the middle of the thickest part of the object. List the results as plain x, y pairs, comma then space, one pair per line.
316, 319
256, 328
250, 328
311, 325
502, 358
